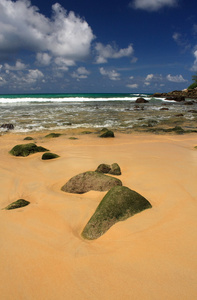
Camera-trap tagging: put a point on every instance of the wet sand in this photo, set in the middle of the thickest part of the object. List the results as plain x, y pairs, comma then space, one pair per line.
151, 255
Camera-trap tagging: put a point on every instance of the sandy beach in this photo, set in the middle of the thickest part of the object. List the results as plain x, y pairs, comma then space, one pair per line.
150, 256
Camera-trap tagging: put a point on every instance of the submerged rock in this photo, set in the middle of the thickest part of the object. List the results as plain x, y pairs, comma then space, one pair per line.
49, 155
118, 204
113, 169
141, 100
88, 181
26, 149
8, 126
17, 204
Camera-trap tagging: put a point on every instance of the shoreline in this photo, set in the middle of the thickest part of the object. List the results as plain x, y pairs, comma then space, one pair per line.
43, 255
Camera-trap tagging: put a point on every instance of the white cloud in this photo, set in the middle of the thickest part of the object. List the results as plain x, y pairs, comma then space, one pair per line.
112, 74
149, 77
18, 66
152, 5
81, 73
43, 58
106, 52
22, 27
194, 67
33, 76
132, 86
176, 78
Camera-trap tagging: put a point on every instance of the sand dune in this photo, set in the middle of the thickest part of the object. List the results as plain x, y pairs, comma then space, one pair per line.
149, 256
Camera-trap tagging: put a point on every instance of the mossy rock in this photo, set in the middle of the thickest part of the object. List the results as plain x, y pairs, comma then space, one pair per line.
52, 135
86, 132
17, 204
106, 134
26, 149
73, 138
88, 181
195, 147
117, 205
113, 169
28, 138
49, 155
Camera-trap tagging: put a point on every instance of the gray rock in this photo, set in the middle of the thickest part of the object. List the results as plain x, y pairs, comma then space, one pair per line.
88, 181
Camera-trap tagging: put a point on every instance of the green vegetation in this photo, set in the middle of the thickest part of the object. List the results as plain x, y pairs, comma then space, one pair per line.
194, 84
49, 155
117, 205
26, 149
17, 204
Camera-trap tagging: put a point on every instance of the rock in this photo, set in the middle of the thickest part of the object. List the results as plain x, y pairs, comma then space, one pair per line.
175, 98
164, 108
8, 126
52, 135
28, 138
88, 181
192, 111
105, 133
49, 155
73, 138
141, 100
118, 204
179, 115
26, 149
189, 103
17, 204
113, 169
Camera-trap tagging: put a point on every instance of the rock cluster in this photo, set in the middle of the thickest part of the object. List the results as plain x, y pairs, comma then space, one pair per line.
178, 95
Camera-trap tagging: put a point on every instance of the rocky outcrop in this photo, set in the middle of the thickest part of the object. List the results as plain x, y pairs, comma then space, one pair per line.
113, 169
17, 204
26, 149
178, 96
118, 204
89, 181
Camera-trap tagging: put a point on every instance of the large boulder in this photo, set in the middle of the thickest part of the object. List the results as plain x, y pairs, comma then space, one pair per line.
26, 149
17, 204
141, 100
118, 204
88, 181
113, 169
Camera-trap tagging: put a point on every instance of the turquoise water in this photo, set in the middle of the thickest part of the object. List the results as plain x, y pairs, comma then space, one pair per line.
38, 112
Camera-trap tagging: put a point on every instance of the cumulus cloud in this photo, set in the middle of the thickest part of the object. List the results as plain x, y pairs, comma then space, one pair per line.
22, 27
33, 76
176, 78
181, 41
81, 73
43, 58
149, 77
17, 67
112, 74
132, 86
108, 51
152, 5
194, 67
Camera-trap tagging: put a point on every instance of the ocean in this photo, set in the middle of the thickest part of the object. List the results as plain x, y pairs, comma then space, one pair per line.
53, 112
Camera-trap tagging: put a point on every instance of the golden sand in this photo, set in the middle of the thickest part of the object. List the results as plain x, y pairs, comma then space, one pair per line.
150, 256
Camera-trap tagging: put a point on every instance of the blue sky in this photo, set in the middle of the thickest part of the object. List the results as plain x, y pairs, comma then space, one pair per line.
97, 46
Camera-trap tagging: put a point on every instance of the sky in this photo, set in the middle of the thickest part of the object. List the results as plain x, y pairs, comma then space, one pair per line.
105, 46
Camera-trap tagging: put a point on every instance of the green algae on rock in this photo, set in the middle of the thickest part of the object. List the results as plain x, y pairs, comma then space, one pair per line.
17, 204
26, 149
113, 169
105, 133
49, 155
117, 205
52, 135
28, 138
88, 181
